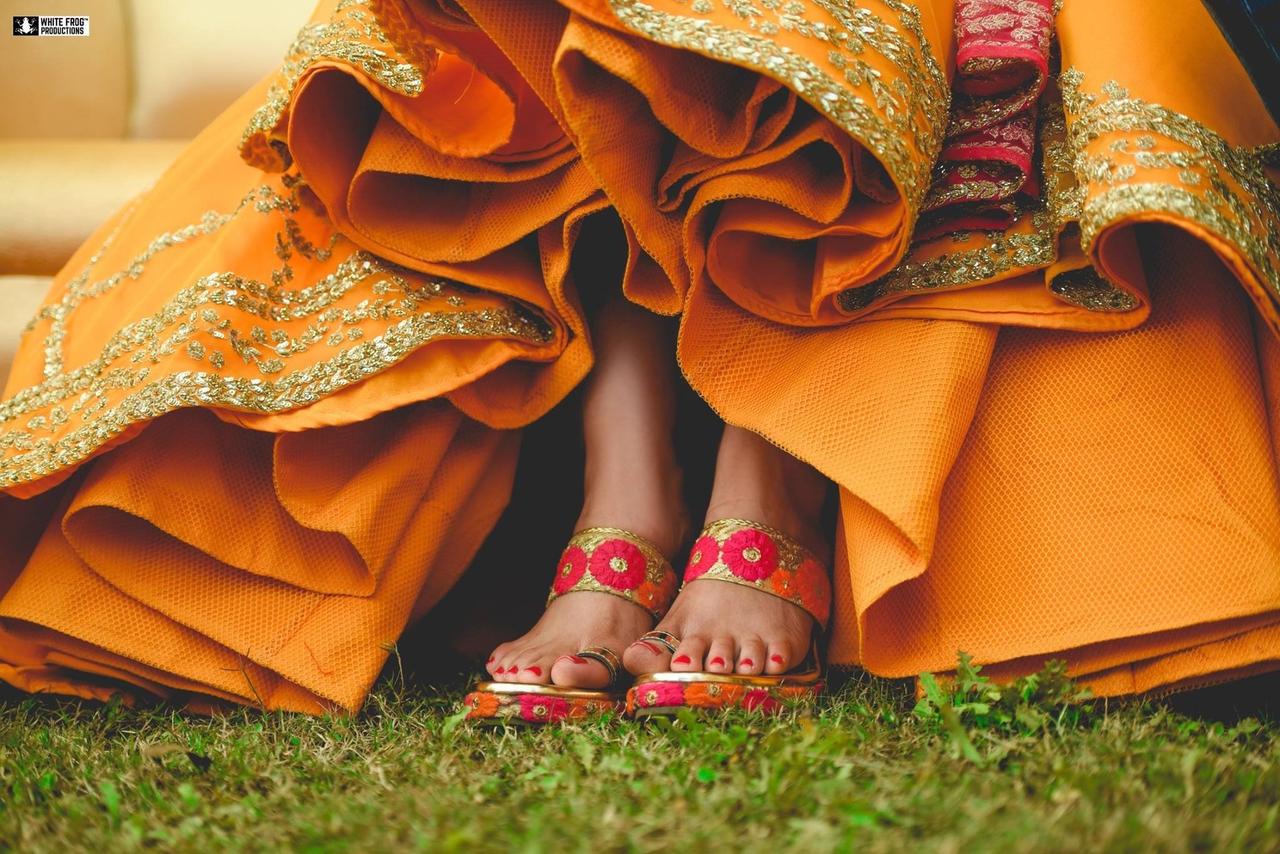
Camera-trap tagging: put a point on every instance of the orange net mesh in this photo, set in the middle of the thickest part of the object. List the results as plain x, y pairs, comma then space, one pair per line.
275, 571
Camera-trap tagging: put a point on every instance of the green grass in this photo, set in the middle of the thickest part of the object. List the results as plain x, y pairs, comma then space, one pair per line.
865, 770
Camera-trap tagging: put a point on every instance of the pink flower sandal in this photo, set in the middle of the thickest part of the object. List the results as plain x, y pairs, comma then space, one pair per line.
603, 560
747, 553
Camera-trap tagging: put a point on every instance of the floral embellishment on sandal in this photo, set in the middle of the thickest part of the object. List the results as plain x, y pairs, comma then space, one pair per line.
711, 695
812, 586
784, 584
706, 551
614, 561
661, 694
618, 564
654, 697
536, 708
481, 704
573, 563
760, 699
750, 554
654, 596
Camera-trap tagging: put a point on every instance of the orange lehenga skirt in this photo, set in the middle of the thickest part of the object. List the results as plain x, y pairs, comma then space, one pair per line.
270, 411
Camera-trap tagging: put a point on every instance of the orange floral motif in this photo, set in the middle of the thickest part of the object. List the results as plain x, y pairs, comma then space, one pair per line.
481, 704
784, 584
712, 695
813, 589
646, 595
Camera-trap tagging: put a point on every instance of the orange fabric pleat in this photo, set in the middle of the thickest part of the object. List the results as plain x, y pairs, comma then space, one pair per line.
351, 531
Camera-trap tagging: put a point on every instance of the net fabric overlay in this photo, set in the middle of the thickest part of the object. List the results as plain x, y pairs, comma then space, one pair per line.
366, 271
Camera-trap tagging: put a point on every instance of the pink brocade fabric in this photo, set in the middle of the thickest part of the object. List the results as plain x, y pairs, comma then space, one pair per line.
986, 167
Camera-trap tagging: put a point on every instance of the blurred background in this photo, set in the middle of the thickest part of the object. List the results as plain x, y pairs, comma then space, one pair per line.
90, 122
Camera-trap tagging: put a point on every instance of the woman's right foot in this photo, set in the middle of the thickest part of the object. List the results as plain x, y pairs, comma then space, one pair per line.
633, 483
580, 619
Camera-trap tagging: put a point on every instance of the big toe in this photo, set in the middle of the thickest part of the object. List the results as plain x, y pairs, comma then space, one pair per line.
576, 671
646, 656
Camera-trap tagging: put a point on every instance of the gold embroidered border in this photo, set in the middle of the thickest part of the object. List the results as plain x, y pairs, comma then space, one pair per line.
893, 117
1202, 179
79, 289
998, 254
204, 389
1222, 188
345, 37
125, 363
142, 340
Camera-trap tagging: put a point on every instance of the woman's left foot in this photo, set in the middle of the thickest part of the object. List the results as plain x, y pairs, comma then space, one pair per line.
730, 628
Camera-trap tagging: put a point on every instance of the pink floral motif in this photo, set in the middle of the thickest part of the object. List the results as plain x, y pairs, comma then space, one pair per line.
659, 694
760, 699
704, 555
572, 564
540, 708
618, 564
750, 554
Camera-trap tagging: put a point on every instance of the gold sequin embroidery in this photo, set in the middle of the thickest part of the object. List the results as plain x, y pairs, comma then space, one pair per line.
1174, 165
900, 118
118, 387
354, 36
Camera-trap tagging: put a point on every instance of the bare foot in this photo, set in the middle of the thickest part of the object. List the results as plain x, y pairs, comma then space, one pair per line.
632, 483
730, 628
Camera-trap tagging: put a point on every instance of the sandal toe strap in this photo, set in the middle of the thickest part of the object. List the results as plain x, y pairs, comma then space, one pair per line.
758, 556
618, 562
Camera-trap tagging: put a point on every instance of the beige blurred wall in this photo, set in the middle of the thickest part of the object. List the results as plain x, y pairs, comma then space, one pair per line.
89, 122
149, 68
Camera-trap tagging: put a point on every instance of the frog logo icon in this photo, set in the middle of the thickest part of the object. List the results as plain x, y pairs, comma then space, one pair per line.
26, 25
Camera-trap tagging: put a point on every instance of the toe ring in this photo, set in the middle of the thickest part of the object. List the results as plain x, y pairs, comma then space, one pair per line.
605, 656
666, 639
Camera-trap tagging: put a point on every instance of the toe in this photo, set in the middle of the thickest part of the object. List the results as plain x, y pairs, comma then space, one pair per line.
496, 665
720, 657
780, 658
536, 670
751, 657
574, 671
689, 656
506, 666
646, 656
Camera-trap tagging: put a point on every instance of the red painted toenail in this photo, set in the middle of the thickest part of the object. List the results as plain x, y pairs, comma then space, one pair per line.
499, 670
653, 649
776, 659
536, 671
746, 662
577, 659
717, 661
682, 659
